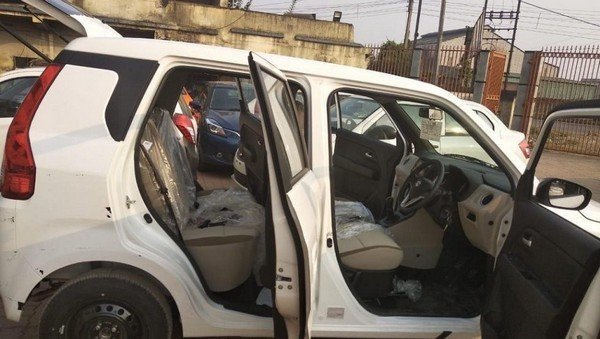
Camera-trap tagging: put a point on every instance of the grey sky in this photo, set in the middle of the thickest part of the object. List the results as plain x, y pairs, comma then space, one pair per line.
378, 20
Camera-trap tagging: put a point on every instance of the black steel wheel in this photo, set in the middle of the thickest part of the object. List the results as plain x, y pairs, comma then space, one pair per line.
107, 304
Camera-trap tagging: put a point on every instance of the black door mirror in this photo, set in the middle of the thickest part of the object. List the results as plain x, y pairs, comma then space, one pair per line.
563, 194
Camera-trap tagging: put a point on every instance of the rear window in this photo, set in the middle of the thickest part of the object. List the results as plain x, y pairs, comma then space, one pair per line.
12, 94
225, 99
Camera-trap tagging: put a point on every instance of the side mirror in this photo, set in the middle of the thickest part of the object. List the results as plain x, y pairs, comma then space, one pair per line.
195, 104
563, 194
431, 113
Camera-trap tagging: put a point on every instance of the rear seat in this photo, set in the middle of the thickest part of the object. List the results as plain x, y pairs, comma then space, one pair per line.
226, 228
221, 229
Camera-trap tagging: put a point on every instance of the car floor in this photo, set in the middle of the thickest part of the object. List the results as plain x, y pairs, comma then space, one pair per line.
437, 300
456, 288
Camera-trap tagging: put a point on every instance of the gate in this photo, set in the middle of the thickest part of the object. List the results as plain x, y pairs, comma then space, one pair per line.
559, 75
494, 80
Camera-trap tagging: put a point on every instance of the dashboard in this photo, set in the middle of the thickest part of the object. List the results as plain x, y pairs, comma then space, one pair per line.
473, 198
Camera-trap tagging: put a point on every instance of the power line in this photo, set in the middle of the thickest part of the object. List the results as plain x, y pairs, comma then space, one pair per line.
561, 14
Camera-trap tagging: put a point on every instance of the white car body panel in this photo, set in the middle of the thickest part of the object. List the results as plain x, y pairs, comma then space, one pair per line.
81, 230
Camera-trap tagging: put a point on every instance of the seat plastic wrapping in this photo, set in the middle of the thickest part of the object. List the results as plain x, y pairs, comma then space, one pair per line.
351, 211
169, 160
354, 228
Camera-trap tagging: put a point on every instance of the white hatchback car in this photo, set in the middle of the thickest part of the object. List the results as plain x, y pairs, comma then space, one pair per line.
366, 239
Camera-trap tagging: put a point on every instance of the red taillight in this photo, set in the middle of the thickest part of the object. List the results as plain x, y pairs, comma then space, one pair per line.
524, 146
18, 166
185, 126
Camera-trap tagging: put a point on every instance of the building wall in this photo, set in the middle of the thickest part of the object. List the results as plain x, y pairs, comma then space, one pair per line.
193, 22
47, 43
262, 32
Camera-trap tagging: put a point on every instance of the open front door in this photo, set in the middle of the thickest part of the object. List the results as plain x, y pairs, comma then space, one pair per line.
296, 202
546, 276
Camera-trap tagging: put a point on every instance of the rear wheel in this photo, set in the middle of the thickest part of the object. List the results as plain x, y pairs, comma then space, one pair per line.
107, 303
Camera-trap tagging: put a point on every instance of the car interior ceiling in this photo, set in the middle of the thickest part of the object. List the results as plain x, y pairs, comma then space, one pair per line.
216, 229
411, 264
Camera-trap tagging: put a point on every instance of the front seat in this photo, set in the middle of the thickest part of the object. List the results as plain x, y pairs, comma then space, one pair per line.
365, 246
367, 251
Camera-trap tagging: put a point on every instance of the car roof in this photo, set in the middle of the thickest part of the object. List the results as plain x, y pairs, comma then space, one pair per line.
157, 50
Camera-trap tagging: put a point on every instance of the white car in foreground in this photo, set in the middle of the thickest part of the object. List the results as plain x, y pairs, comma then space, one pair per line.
366, 240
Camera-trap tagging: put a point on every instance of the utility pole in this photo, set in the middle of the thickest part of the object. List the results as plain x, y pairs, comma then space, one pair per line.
439, 41
512, 44
408, 18
417, 23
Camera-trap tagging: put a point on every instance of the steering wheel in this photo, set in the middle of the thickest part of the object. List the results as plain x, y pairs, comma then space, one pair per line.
421, 186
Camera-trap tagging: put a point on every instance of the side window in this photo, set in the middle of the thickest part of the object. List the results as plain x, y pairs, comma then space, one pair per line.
12, 94
285, 121
569, 145
453, 128
362, 115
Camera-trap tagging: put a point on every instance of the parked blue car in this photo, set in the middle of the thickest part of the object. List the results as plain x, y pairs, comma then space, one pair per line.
219, 132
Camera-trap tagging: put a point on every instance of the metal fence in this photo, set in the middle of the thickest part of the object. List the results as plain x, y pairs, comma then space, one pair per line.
559, 75
390, 58
456, 70
457, 65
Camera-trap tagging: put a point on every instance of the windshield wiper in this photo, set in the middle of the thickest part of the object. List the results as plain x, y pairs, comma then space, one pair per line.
470, 159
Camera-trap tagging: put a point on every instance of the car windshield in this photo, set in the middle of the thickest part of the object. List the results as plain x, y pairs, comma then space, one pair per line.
446, 135
225, 99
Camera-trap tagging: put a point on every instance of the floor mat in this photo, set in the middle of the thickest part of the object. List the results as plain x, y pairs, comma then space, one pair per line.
243, 299
437, 300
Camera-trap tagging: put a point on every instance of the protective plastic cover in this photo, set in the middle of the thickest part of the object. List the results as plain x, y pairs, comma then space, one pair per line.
351, 211
411, 288
354, 228
232, 207
169, 161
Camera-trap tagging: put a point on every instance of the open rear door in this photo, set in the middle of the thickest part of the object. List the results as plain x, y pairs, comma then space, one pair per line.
296, 202
544, 275
74, 18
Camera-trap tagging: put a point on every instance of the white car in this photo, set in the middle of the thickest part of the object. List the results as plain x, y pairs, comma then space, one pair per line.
514, 140
319, 246
14, 86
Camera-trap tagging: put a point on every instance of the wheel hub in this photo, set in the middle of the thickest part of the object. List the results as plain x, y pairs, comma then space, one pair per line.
106, 321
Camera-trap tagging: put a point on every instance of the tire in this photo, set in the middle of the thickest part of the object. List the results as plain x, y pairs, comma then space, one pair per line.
111, 302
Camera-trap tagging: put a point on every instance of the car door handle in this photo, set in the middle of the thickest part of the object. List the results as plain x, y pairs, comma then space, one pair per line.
369, 155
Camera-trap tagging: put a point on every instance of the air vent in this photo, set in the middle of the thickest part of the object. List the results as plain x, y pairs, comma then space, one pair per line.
487, 199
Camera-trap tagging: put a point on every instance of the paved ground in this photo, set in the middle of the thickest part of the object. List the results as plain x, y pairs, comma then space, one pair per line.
582, 169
